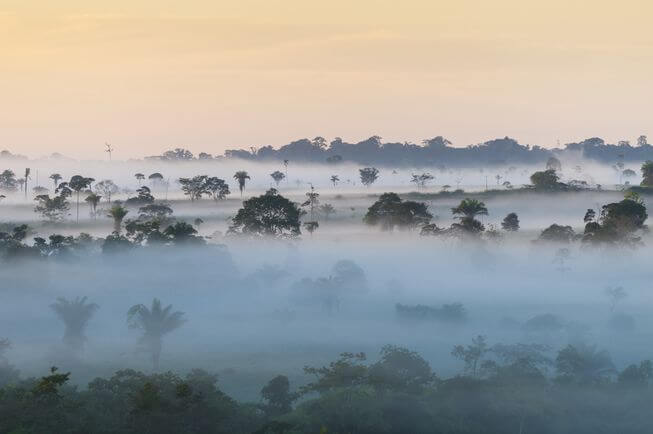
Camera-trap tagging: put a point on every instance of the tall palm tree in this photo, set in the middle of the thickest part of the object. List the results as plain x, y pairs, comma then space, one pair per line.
93, 200
469, 208
335, 179
241, 176
75, 315
77, 183
117, 213
155, 322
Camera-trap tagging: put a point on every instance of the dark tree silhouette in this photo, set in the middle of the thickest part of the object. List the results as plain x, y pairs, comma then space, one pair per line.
270, 215
75, 314
389, 211
241, 176
510, 222
106, 188
155, 322
117, 213
77, 183
277, 177
368, 175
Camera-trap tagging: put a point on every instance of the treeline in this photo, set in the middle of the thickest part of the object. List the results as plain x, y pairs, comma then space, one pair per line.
431, 153
503, 388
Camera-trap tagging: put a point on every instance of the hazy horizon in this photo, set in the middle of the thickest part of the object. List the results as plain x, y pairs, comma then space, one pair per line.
209, 76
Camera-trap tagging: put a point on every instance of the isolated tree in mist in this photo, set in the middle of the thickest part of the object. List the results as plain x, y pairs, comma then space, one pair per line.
117, 213
268, 215
139, 177
647, 174
217, 188
421, 180
547, 180
277, 177
472, 355
278, 397
285, 165
615, 295
55, 177
75, 314
510, 222
241, 176
93, 200
8, 181
553, 164
53, 209
313, 200
368, 175
155, 322
334, 180
106, 188
77, 183
311, 226
390, 211
194, 187
155, 178
326, 210
470, 208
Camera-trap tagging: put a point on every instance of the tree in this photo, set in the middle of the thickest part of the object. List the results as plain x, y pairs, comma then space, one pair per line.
106, 188
217, 188
143, 196
75, 315
269, 215
311, 226
401, 370
117, 213
618, 222
194, 187
553, 164
420, 181
368, 175
53, 209
334, 180
615, 295
93, 200
277, 176
55, 177
390, 211
178, 154
155, 178
312, 201
647, 174
472, 354
278, 397
241, 176
583, 364
642, 141
139, 177
470, 208
326, 210
510, 222
8, 181
77, 183
182, 233
155, 323
557, 234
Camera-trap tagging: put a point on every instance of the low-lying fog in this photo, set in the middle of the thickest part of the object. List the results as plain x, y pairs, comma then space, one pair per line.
250, 317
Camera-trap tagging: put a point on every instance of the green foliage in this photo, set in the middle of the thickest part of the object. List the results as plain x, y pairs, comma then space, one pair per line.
268, 215
510, 223
389, 211
547, 180
368, 175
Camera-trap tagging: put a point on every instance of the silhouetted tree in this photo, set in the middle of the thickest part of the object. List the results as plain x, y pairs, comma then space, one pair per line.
278, 397
241, 176
93, 201
472, 354
77, 183
368, 175
335, 179
139, 177
194, 187
155, 322
583, 364
217, 188
75, 314
8, 181
55, 177
390, 211
106, 188
510, 222
277, 177
53, 209
267, 215
327, 210
117, 213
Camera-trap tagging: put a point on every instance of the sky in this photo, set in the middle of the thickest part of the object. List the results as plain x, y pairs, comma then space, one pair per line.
149, 75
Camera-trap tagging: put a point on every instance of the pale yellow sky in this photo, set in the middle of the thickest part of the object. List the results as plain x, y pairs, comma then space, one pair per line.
208, 75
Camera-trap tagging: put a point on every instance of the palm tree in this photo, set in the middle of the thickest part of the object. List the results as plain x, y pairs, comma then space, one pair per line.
139, 177
27, 178
75, 315
154, 322
77, 183
241, 176
469, 208
93, 200
335, 179
55, 177
117, 213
